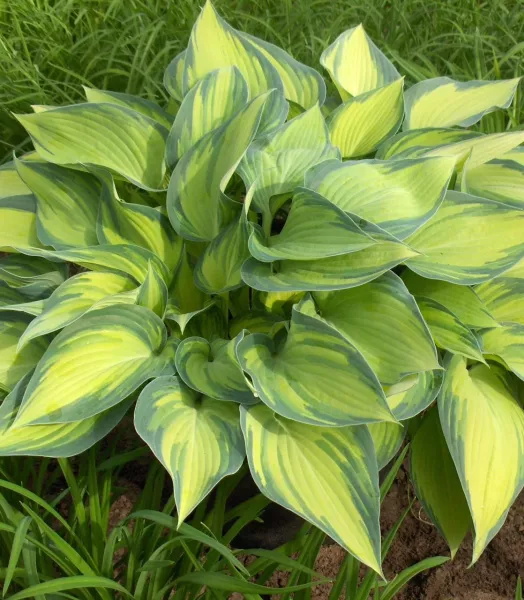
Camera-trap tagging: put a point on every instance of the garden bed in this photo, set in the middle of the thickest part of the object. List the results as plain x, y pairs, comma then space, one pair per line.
493, 577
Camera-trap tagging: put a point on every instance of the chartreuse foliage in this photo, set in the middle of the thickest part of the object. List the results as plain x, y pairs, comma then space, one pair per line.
276, 280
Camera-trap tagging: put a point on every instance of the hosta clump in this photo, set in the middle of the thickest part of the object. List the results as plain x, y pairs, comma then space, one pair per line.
277, 280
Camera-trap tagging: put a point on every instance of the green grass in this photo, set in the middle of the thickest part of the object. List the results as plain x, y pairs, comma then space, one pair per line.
50, 48
58, 533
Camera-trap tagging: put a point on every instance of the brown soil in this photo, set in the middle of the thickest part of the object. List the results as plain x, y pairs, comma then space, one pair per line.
123, 506
493, 577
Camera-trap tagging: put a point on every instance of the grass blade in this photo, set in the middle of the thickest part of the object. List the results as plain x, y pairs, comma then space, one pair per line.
245, 513
64, 584
392, 473
60, 544
47, 507
124, 458
46, 549
338, 586
281, 560
194, 534
190, 533
308, 556
353, 568
219, 581
153, 565
96, 522
32, 575
109, 553
141, 591
407, 574
76, 493
18, 544
370, 579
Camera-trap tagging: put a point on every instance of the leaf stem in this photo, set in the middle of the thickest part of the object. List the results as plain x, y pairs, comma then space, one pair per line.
267, 221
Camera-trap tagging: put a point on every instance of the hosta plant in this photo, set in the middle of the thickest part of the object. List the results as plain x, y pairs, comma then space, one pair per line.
272, 274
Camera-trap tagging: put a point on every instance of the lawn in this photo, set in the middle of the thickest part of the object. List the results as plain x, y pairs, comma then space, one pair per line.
52, 47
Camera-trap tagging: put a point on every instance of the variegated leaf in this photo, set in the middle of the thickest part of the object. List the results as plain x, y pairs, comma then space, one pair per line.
387, 439
10, 297
314, 228
414, 143
256, 322
398, 196
444, 102
153, 292
279, 303
210, 103
413, 394
356, 65
484, 429
35, 307
13, 364
61, 193
95, 363
503, 298
448, 331
478, 150
74, 297
516, 272
56, 440
104, 135
212, 369
383, 321
499, 179
469, 240
10, 182
303, 85
359, 125
174, 76
316, 376
275, 163
326, 475
18, 229
436, 482
506, 343
185, 300
215, 44
127, 258
146, 107
516, 155
217, 271
35, 278
125, 223
334, 273
196, 438
204, 171
463, 301
208, 324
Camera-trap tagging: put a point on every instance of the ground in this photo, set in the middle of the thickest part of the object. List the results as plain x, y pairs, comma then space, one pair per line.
493, 577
